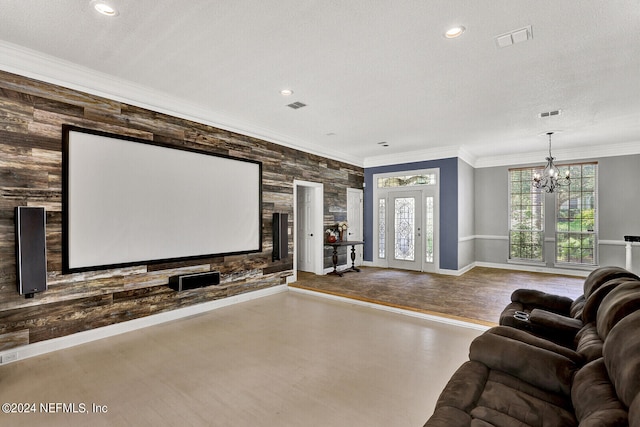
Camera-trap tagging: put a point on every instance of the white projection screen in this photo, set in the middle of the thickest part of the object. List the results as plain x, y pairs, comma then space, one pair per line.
128, 201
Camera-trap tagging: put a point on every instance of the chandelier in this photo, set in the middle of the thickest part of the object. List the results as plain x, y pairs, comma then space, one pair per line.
550, 178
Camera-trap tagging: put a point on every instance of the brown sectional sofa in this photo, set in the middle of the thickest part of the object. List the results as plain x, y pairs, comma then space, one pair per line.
516, 378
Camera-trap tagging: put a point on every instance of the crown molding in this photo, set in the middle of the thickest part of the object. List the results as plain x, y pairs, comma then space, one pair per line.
467, 156
36, 65
416, 156
561, 155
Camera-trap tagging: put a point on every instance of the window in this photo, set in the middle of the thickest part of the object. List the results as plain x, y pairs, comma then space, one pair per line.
526, 216
382, 231
429, 230
575, 220
576, 216
407, 180
405, 224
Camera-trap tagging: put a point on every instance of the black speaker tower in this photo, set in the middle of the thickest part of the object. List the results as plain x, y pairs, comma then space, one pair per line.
280, 236
31, 250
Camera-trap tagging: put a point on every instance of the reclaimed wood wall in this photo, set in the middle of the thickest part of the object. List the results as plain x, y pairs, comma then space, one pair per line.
31, 117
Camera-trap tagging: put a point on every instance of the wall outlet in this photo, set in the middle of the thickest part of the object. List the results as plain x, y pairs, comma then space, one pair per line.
9, 357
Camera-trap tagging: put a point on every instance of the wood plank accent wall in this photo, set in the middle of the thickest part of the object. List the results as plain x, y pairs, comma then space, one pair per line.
31, 117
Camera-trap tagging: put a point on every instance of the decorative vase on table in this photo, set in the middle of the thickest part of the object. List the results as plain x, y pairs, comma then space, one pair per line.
342, 227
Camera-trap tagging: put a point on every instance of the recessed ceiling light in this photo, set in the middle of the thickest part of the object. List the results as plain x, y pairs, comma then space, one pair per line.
454, 32
286, 92
105, 8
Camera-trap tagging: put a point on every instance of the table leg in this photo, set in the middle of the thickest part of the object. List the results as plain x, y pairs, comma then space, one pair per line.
353, 259
334, 259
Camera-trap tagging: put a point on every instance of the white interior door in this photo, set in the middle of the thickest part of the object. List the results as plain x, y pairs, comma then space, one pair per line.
305, 247
354, 219
404, 243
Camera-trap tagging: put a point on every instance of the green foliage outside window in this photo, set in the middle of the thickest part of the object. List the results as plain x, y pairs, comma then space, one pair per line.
575, 218
526, 217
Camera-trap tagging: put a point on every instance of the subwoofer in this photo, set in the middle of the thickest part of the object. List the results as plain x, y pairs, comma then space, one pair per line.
280, 236
193, 281
31, 250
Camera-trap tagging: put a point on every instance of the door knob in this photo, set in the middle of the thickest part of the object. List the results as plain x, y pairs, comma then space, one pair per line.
311, 234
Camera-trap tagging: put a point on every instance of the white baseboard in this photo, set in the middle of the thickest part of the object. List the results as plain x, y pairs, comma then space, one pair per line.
520, 267
401, 311
42, 347
458, 272
535, 268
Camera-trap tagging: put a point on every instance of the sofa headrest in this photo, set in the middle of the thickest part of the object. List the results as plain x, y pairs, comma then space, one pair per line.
621, 301
601, 275
591, 305
622, 357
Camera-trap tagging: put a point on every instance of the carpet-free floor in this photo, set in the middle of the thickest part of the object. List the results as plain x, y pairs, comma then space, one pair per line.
477, 296
284, 360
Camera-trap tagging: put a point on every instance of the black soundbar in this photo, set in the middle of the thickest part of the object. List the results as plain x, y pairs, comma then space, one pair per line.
193, 281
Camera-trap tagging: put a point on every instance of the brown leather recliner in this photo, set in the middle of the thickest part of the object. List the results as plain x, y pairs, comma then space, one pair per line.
514, 378
556, 317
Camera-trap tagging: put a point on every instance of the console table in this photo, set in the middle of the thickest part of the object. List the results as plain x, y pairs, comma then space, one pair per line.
335, 246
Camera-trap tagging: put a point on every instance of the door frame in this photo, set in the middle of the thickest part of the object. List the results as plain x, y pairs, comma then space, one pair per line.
359, 248
317, 225
383, 193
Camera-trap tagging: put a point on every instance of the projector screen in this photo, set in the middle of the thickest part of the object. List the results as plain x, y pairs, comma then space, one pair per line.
128, 201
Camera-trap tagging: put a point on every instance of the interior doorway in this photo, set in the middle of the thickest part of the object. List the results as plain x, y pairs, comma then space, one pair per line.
307, 227
355, 211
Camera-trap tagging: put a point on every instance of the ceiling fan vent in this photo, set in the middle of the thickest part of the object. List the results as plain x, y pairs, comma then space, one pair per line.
296, 105
549, 113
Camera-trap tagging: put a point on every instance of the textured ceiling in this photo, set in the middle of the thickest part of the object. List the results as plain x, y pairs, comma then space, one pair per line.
369, 71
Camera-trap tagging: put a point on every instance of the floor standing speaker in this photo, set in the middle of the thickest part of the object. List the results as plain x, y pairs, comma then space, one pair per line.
280, 236
31, 250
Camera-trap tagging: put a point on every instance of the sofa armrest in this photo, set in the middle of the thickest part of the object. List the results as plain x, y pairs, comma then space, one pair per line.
556, 323
539, 367
531, 297
528, 338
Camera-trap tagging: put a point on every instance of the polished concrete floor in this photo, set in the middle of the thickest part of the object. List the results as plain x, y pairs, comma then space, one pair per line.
477, 296
288, 359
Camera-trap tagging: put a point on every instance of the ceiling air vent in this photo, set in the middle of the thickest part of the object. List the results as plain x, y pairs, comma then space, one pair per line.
513, 37
549, 113
296, 105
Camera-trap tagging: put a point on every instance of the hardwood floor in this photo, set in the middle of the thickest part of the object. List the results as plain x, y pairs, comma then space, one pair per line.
478, 296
